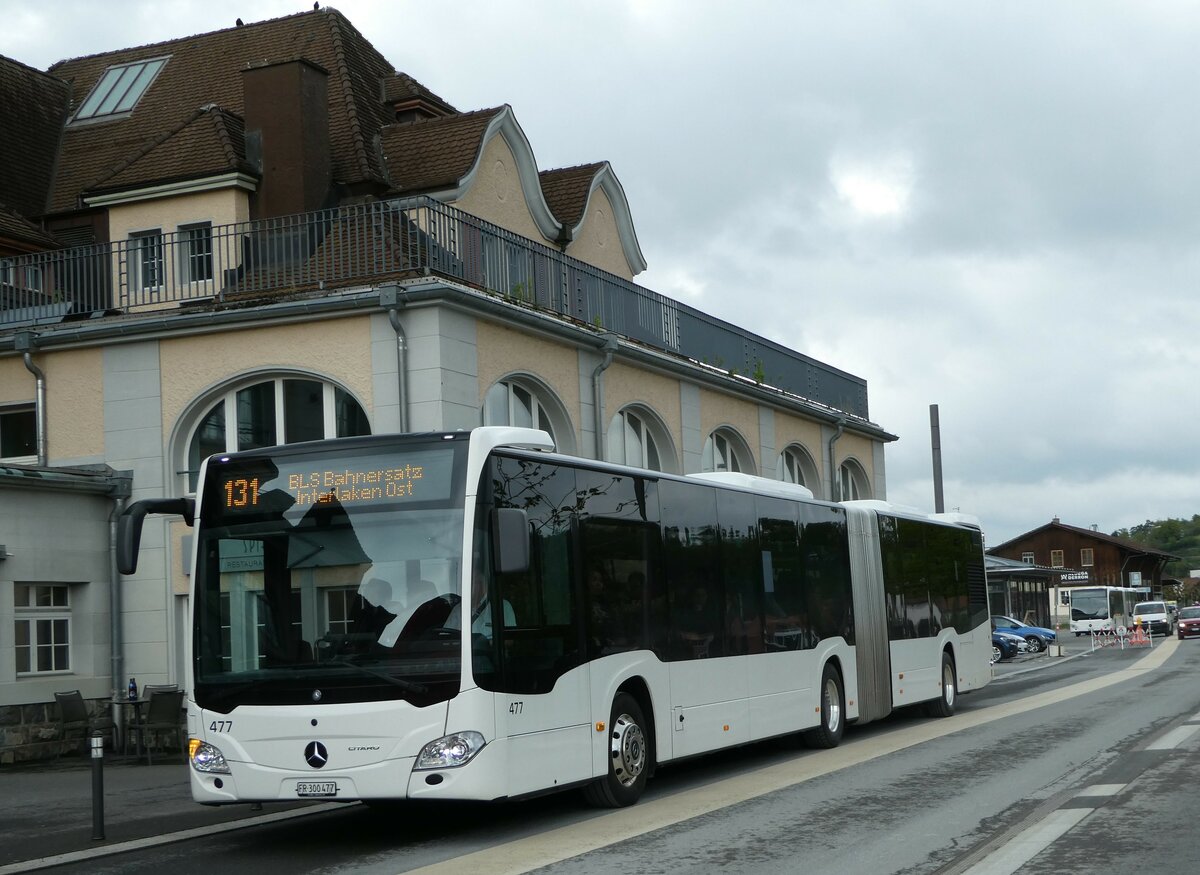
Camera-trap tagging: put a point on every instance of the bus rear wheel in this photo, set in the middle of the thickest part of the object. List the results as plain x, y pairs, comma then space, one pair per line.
943, 705
833, 711
628, 760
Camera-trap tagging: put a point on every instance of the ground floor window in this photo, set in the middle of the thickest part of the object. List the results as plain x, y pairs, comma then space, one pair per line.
42, 620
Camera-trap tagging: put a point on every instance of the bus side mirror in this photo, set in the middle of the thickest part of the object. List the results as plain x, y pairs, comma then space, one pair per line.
510, 540
129, 526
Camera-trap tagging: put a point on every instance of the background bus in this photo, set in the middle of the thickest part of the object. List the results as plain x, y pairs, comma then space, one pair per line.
618, 618
1101, 608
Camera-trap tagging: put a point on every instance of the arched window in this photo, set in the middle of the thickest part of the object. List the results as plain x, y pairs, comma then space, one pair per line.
637, 437
265, 413
521, 401
852, 482
796, 466
726, 451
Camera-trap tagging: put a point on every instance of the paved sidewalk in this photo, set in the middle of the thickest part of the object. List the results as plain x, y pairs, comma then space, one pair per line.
46, 808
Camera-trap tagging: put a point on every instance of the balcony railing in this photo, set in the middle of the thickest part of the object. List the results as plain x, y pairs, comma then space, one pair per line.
371, 243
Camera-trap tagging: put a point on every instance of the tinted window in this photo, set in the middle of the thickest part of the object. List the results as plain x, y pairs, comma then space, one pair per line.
619, 534
690, 562
933, 577
741, 572
825, 556
544, 642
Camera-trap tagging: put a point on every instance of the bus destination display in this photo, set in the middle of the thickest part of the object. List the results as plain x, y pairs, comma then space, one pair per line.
372, 481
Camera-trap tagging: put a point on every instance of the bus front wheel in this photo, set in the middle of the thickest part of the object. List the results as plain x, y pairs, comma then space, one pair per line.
628, 757
833, 712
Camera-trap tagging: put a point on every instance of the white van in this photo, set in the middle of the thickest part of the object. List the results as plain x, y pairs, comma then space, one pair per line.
1153, 616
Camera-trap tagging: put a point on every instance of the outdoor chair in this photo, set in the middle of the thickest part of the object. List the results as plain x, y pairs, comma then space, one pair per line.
163, 712
73, 717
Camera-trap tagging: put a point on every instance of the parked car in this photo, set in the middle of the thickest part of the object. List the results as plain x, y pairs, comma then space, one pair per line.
1006, 645
1188, 625
1153, 616
1039, 637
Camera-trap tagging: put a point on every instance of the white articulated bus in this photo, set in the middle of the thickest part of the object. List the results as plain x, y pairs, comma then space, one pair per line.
619, 618
1102, 608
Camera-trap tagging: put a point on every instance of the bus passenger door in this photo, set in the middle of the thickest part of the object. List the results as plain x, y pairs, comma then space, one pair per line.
542, 677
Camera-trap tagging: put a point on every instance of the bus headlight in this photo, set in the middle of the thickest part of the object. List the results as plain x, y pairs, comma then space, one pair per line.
450, 751
207, 758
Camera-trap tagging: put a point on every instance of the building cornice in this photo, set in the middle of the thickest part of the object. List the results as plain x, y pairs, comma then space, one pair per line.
234, 179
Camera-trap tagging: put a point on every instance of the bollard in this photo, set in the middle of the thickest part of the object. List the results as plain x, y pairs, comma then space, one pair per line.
97, 786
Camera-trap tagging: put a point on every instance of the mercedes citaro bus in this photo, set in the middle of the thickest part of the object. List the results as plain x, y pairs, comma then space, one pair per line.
472, 615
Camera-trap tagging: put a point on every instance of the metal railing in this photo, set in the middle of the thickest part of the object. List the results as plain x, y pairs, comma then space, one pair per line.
208, 265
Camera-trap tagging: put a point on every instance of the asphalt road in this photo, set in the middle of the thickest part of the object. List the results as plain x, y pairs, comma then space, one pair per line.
1062, 765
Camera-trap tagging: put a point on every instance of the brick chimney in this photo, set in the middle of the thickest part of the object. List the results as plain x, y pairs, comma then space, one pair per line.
287, 136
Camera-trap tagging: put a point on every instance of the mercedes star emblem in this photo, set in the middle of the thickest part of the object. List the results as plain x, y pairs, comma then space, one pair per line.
316, 755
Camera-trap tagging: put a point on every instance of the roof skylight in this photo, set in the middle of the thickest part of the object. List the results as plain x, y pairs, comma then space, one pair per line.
119, 89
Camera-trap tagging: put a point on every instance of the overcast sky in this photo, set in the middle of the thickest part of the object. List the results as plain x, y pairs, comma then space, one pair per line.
991, 207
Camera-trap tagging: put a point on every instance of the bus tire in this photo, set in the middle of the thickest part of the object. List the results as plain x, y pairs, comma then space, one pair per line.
833, 711
629, 757
943, 705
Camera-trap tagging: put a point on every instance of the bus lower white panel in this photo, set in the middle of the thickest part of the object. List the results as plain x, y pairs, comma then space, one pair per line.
543, 760
549, 734
781, 692
275, 737
711, 710
974, 657
383, 780
916, 670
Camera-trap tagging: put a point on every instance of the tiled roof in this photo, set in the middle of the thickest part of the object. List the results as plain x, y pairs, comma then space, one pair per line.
1124, 543
434, 153
403, 87
207, 69
566, 191
15, 227
31, 118
208, 142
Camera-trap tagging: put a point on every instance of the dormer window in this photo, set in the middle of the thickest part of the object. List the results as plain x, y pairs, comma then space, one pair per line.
119, 89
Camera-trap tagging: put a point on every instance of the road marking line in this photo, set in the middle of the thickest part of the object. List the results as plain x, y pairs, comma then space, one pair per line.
563, 843
1174, 738
1102, 790
151, 841
1022, 848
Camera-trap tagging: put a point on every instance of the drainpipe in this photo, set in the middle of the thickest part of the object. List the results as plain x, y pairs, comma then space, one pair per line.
391, 299
25, 341
608, 348
114, 606
841, 427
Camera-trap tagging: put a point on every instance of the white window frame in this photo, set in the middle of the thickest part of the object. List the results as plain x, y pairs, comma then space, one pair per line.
725, 450
636, 426
186, 238
1087, 557
228, 397
33, 616
796, 466
1028, 558
140, 242
852, 482
1056, 559
546, 411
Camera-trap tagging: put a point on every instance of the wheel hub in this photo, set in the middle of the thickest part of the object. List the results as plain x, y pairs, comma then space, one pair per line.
628, 750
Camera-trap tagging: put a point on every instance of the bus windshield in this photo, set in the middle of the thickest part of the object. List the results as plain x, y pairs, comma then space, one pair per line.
329, 580
1089, 604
